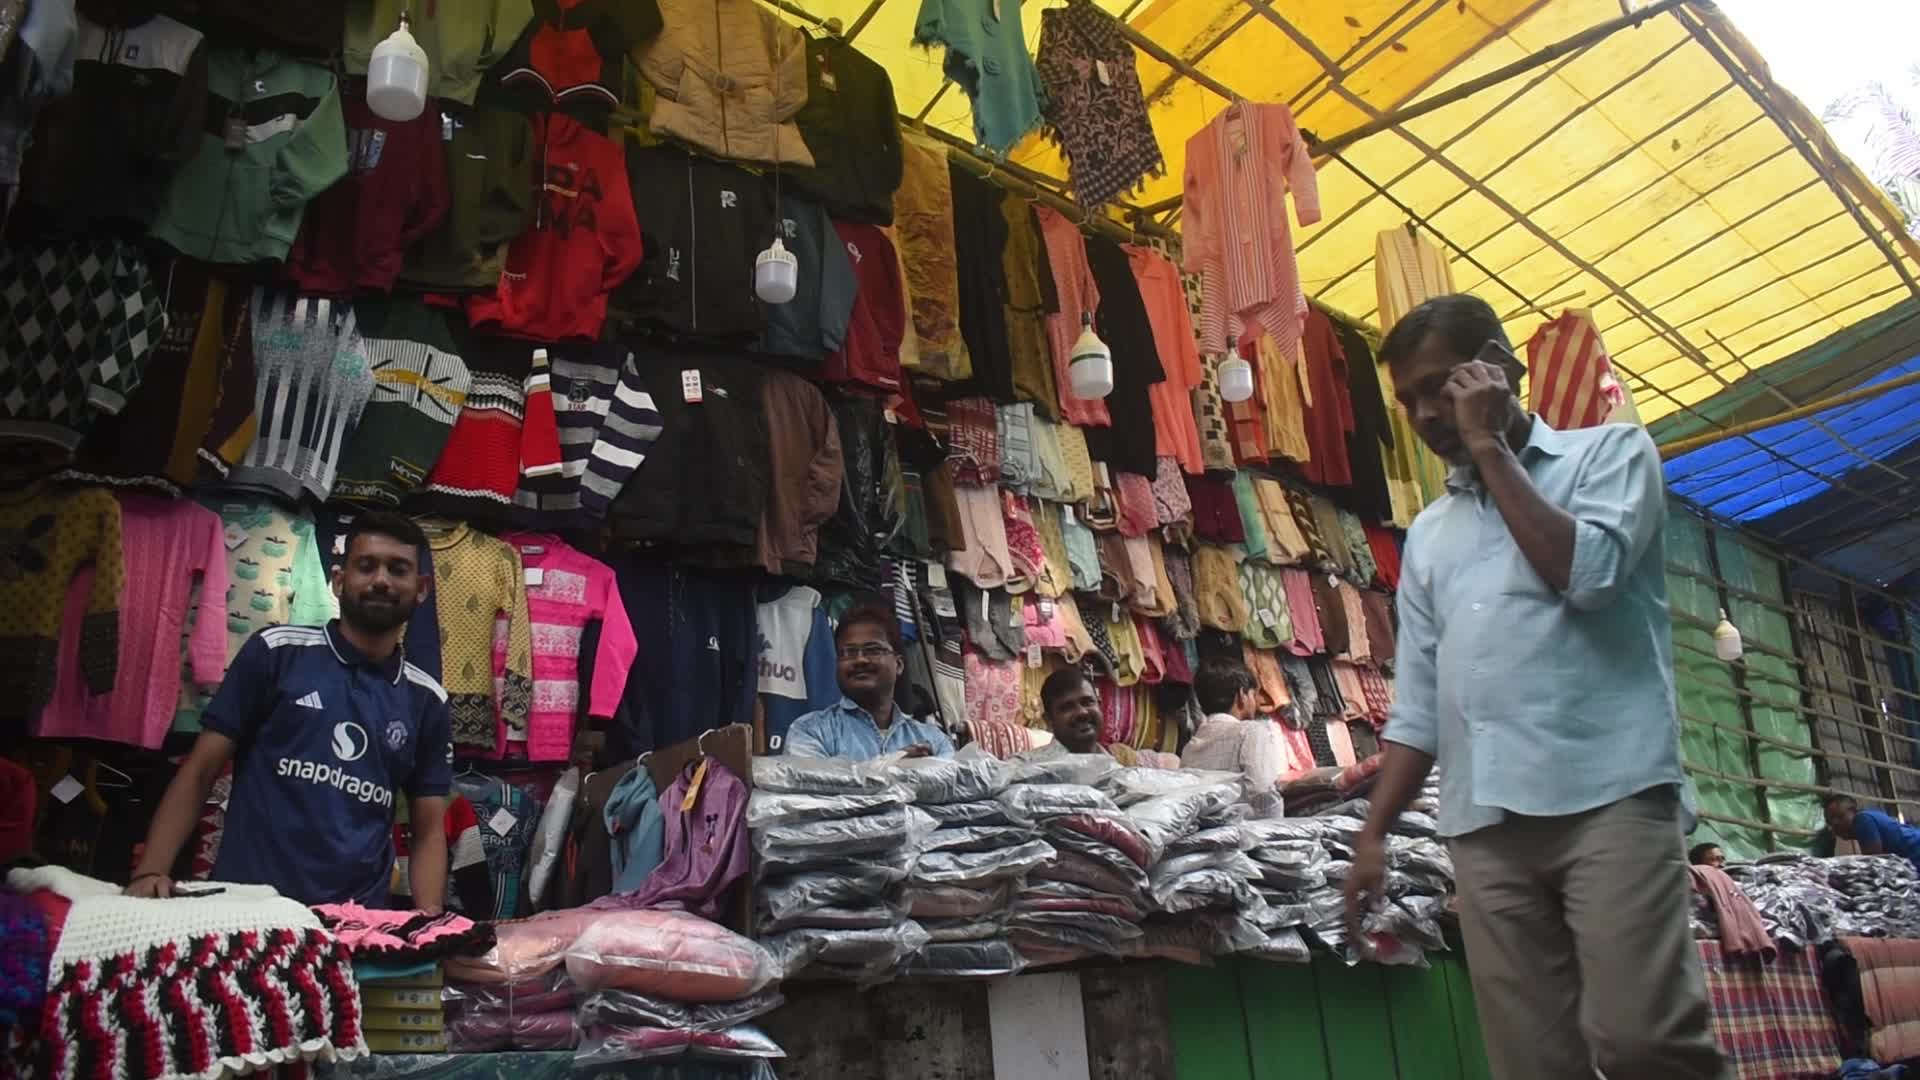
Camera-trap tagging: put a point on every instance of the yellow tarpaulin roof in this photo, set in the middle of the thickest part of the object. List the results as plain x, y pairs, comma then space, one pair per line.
1637, 177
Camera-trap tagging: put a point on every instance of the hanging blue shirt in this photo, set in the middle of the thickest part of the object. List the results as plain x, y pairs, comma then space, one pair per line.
846, 730
1888, 834
1535, 700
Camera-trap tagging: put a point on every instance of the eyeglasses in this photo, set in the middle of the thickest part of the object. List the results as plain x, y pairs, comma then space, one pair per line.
871, 651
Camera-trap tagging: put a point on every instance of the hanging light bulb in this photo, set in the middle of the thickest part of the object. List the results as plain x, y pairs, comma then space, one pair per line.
776, 274
1090, 369
1236, 375
1726, 639
397, 76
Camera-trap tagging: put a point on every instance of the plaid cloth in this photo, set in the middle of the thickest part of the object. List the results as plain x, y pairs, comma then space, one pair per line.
974, 441
1772, 1021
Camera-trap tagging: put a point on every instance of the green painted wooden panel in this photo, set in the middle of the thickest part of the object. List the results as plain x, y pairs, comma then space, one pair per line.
1421, 1009
1353, 1013
1466, 1018
1209, 1029
1285, 1039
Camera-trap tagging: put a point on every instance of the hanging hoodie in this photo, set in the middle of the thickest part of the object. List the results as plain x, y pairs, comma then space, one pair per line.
461, 39
571, 56
274, 139
39, 71
730, 75
814, 323
584, 241
637, 828
356, 232
852, 127
489, 155
705, 481
506, 430
136, 113
797, 667
705, 222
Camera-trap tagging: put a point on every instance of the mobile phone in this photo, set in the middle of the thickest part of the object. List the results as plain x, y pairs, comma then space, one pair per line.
1497, 354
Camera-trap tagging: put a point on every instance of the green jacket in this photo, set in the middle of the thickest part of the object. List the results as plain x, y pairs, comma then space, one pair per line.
462, 38
244, 205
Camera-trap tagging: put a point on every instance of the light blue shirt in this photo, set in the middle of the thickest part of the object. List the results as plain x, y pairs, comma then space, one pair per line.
1532, 700
846, 730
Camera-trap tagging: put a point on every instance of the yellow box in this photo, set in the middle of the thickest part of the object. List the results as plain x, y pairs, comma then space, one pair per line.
407, 1042
408, 998
402, 1019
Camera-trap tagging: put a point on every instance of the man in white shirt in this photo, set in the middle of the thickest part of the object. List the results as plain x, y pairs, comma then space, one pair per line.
1234, 737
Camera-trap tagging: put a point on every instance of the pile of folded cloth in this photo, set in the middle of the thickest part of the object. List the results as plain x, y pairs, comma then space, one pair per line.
1091, 896
517, 995
835, 841
1200, 884
961, 889
1805, 900
670, 986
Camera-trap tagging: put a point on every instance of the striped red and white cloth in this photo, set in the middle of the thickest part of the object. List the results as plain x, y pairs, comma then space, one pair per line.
1772, 1021
1569, 378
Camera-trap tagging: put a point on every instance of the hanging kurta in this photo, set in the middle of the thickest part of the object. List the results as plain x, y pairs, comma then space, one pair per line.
1408, 270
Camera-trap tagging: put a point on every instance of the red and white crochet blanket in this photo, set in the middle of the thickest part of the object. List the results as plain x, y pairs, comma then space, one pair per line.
202, 987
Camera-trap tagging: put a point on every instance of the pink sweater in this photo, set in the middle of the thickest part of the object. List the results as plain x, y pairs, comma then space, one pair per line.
567, 590
167, 542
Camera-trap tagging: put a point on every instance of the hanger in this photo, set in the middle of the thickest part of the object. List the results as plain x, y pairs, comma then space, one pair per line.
122, 780
1413, 231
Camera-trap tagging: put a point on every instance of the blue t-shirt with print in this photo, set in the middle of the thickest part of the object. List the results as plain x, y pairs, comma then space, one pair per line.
1892, 837
326, 736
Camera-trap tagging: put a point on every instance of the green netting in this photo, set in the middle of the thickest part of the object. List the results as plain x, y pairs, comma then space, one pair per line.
1712, 744
1778, 692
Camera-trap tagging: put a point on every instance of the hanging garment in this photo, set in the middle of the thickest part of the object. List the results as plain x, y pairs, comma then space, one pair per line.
729, 77
704, 223
245, 205
1030, 299
315, 377
852, 127
1371, 437
1175, 433
805, 470
870, 352
170, 546
699, 669
461, 42
420, 385
854, 539
1570, 380
1239, 170
1329, 414
571, 57
489, 159
986, 57
568, 592
1128, 332
51, 535
506, 431
585, 240
1079, 298
924, 237
80, 322
706, 849
1095, 108
1408, 270
980, 240
815, 321
481, 581
797, 672
355, 234
705, 480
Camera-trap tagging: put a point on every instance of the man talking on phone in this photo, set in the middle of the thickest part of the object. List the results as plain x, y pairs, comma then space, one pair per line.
1535, 667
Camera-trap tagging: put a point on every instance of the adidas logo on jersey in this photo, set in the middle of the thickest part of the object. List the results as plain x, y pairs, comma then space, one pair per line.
311, 700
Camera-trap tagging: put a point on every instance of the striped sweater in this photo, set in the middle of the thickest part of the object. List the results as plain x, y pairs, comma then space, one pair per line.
632, 427
419, 387
312, 380
506, 431
591, 411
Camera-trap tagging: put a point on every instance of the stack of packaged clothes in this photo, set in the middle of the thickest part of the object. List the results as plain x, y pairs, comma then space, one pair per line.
1293, 859
517, 995
961, 888
835, 841
1200, 884
669, 985
1091, 896
1805, 900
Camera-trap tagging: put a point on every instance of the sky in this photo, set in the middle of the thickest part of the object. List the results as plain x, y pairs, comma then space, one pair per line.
1819, 49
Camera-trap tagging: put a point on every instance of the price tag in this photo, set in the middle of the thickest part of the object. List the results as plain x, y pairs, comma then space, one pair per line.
1333, 581
690, 391
1116, 612
446, 128
1100, 69
936, 575
890, 416
68, 789
535, 575
1046, 608
1033, 656
944, 606
1268, 619
340, 544
533, 549
502, 821
235, 537
1066, 513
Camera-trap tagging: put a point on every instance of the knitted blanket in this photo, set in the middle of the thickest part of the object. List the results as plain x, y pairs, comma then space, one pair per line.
201, 988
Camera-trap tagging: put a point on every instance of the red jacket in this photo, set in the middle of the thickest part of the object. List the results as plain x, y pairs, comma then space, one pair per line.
356, 234
584, 241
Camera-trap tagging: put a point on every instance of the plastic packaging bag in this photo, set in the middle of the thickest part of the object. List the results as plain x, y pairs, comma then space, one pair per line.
1138, 784
976, 838
1113, 832
769, 808
853, 917
1233, 862
785, 849
1104, 874
1083, 769
1162, 819
524, 948
965, 960
953, 815
1102, 933
548, 992
935, 780
971, 928
818, 776
784, 897
851, 954
977, 868
1211, 933
551, 835
1089, 900
1029, 803
612, 1046
1285, 946
1415, 823
481, 1033
956, 901
1210, 888
668, 953
624, 1008
1216, 838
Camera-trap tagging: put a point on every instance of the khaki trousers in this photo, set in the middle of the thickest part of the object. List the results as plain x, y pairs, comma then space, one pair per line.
1577, 939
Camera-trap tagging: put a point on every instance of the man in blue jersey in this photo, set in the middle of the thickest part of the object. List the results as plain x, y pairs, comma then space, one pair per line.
1876, 832
324, 725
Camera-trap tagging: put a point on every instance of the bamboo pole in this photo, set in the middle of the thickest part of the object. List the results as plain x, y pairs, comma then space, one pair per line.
1858, 393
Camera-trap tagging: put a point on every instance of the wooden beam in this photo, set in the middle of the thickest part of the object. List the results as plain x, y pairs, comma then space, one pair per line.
860, 23
1859, 393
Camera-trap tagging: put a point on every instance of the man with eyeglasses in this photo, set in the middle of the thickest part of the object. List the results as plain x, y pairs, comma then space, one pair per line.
866, 723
